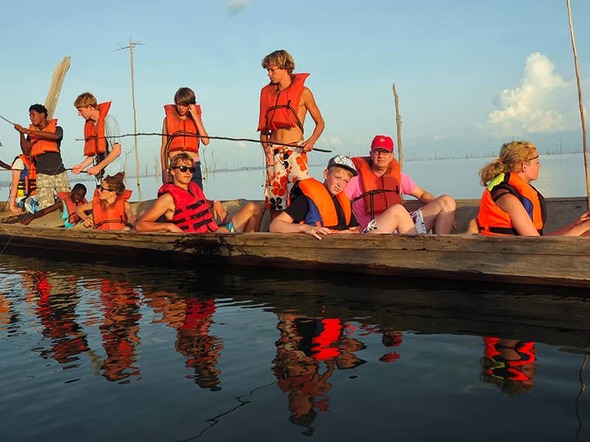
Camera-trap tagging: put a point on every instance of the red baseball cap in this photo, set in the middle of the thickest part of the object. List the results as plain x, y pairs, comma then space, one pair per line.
382, 142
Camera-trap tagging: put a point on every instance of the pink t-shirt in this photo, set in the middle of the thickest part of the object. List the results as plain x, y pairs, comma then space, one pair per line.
354, 188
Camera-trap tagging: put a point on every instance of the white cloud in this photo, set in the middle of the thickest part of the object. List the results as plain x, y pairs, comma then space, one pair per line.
543, 103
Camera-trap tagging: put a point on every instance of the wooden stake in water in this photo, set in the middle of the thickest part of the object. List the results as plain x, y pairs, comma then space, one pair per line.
398, 124
55, 88
132, 44
580, 101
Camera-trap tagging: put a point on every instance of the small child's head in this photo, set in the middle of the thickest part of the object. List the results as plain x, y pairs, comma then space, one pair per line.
338, 173
39, 108
78, 193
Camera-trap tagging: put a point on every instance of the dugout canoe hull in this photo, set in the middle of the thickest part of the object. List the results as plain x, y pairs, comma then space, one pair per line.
560, 261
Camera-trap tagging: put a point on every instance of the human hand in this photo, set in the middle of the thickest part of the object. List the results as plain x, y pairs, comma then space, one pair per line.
16, 210
19, 128
88, 222
192, 110
94, 170
316, 231
306, 146
76, 169
219, 211
270, 158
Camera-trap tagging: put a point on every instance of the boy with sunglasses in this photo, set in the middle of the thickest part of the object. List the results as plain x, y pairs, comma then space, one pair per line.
185, 208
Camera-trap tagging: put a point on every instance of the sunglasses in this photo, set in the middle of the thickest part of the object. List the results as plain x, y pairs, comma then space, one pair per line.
185, 168
106, 189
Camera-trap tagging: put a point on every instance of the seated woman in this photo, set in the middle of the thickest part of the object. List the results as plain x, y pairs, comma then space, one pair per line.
509, 204
67, 203
109, 206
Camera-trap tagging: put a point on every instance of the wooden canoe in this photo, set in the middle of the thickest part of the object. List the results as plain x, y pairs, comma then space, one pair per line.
560, 261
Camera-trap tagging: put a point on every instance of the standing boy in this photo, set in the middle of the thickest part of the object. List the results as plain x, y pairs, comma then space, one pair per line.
42, 143
101, 134
284, 104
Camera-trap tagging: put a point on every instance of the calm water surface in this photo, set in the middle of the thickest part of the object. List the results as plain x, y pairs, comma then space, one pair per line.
98, 352
126, 352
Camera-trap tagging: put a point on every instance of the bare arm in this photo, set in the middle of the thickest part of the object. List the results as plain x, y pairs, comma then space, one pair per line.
201, 131
308, 101
83, 165
112, 156
422, 195
164, 206
25, 145
13, 190
520, 218
81, 212
283, 223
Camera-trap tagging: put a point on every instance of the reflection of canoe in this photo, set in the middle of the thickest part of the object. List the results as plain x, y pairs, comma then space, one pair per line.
563, 261
543, 314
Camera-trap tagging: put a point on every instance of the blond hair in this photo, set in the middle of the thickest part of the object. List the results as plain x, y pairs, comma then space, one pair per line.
86, 99
281, 59
511, 156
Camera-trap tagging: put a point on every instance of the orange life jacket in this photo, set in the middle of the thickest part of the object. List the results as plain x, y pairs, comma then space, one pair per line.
27, 182
376, 203
178, 129
39, 145
66, 197
191, 210
492, 220
278, 110
321, 205
94, 134
112, 217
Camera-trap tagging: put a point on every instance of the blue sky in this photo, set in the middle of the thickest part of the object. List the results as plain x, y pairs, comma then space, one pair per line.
470, 74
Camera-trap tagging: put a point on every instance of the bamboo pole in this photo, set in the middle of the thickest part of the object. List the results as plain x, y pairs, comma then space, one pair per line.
55, 88
398, 124
131, 45
580, 101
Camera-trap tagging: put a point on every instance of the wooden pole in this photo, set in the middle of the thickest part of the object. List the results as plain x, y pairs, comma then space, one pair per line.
398, 124
132, 44
55, 88
580, 101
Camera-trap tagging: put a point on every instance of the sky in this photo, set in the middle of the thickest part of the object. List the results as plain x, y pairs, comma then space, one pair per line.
470, 75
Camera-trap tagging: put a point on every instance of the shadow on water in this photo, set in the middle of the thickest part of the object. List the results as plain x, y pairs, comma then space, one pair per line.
552, 315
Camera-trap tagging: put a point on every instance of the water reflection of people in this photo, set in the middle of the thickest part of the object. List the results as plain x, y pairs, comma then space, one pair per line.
510, 364
308, 352
192, 319
120, 330
55, 306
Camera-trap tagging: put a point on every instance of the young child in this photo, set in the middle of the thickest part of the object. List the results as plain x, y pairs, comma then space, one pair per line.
182, 131
67, 203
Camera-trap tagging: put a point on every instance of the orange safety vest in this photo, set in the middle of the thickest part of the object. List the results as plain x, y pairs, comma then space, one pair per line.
39, 146
66, 197
376, 203
492, 220
94, 134
27, 182
323, 210
112, 217
182, 133
278, 110
191, 210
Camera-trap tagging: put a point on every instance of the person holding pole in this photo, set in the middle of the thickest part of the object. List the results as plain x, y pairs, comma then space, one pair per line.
102, 147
